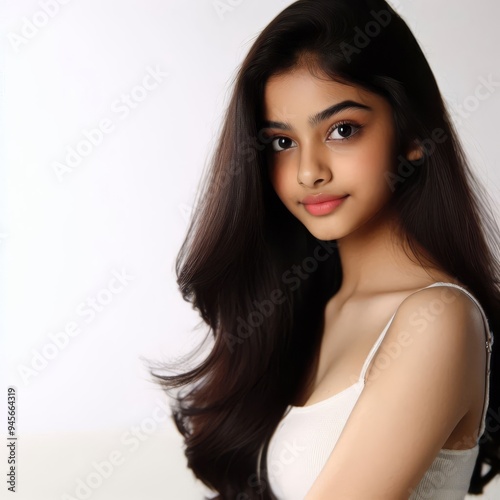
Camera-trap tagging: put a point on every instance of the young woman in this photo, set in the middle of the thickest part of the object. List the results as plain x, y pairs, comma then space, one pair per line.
342, 256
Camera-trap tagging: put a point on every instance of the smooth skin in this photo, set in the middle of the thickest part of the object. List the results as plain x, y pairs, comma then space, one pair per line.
431, 393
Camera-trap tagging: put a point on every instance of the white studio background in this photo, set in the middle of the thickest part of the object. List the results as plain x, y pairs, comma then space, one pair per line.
88, 282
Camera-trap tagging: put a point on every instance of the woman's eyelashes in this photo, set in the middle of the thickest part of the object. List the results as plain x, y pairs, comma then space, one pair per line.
344, 128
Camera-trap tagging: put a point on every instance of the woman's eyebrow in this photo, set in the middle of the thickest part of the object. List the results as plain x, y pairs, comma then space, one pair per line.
321, 116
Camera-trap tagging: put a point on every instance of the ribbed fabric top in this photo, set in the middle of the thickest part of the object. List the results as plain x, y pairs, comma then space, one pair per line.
306, 436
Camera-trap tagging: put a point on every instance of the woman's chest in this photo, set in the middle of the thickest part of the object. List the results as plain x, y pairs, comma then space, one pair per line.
348, 334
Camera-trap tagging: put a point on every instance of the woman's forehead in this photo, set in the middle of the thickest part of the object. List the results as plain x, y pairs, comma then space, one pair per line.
290, 93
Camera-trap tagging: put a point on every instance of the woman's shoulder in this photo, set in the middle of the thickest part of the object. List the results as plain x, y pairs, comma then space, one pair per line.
441, 287
446, 310
443, 292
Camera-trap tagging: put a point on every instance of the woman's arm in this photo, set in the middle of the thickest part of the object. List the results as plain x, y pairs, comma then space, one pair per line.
420, 384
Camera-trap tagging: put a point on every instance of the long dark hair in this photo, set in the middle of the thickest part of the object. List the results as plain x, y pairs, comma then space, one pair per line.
260, 280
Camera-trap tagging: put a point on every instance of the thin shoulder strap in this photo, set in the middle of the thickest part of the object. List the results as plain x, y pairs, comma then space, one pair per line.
373, 350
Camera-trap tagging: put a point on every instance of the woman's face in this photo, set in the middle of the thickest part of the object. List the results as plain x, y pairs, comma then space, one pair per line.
347, 153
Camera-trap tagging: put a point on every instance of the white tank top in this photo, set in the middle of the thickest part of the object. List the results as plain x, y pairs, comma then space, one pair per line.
306, 436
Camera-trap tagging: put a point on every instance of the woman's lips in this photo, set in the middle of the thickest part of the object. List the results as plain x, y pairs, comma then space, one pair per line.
324, 208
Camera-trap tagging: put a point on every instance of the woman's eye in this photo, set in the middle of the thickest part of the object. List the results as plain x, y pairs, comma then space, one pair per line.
345, 129
280, 142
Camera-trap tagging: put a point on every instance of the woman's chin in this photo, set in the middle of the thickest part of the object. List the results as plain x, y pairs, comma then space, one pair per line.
325, 234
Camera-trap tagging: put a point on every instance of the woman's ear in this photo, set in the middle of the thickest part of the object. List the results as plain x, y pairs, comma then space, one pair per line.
415, 152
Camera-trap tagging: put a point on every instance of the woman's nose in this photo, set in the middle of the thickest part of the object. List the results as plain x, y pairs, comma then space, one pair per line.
313, 171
